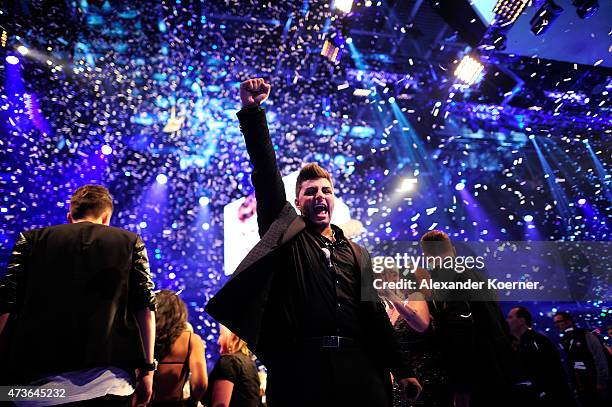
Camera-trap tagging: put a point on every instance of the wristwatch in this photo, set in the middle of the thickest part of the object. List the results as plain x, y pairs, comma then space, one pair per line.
149, 367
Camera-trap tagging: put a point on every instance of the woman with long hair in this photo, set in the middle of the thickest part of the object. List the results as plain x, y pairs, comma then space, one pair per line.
233, 381
180, 353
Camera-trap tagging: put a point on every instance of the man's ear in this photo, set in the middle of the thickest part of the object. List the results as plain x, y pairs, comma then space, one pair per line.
297, 204
106, 218
69, 217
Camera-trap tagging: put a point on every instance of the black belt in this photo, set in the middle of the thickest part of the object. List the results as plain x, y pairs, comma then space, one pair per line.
330, 342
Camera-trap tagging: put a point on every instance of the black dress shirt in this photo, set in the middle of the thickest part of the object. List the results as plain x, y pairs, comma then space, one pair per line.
328, 285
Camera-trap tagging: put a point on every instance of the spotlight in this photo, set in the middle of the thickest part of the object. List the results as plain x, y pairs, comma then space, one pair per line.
469, 70
204, 201
408, 184
107, 150
544, 17
23, 50
585, 8
460, 186
3, 36
528, 218
343, 5
161, 179
581, 201
507, 11
12, 59
331, 51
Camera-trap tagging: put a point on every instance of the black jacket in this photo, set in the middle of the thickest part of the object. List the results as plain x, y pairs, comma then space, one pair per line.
473, 336
71, 291
248, 305
543, 367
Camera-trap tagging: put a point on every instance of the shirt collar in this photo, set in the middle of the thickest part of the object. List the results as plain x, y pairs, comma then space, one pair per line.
338, 233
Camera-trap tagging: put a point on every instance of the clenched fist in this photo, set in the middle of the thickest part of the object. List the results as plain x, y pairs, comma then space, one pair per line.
253, 92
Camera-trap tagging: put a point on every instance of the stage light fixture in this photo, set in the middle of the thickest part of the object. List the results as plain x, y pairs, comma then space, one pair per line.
161, 179
469, 70
107, 150
343, 5
408, 184
581, 201
3, 37
204, 200
460, 186
12, 59
330, 51
507, 11
585, 8
23, 50
528, 218
544, 17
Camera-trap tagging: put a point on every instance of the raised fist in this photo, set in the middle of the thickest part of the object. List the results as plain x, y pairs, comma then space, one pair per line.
253, 92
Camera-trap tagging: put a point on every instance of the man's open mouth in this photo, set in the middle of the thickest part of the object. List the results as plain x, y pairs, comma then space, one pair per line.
320, 209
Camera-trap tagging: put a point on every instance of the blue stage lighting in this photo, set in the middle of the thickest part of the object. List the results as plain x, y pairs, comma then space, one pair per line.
12, 59
581, 201
460, 186
204, 200
107, 150
161, 179
528, 218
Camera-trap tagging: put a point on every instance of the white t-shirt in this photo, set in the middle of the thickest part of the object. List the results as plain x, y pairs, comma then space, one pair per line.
82, 385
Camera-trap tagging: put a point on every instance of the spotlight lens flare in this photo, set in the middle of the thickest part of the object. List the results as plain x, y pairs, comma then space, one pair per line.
528, 218
204, 200
460, 186
343, 5
581, 201
408, 184
12, 59
469, 70
23, 50
161, 179
107, 150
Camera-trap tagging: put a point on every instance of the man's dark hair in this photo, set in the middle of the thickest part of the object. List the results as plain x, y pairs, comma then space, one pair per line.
565, 315
308, 172
90, 200
522, 312
436, 243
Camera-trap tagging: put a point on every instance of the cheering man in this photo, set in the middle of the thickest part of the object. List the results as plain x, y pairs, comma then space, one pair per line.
296, 297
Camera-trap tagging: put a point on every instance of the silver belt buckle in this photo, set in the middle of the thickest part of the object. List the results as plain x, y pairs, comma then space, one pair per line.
331, 341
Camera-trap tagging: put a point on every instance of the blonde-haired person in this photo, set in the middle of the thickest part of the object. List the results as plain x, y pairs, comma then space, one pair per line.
234, 381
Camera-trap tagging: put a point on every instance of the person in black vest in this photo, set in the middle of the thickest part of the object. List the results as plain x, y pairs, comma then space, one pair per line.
472, 333
587, 359
303, 298
541, 360
77, 308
